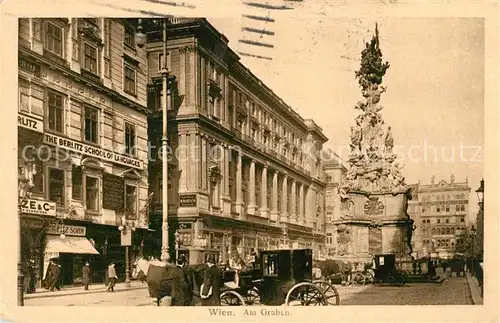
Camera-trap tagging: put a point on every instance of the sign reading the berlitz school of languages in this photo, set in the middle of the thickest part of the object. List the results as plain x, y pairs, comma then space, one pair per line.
96, 152
30, 123
70, 230
38, 207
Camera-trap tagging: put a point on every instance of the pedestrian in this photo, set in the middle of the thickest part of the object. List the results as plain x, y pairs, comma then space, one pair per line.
182, 291
28, 273
112, 277
53, 275
210, 289
86, 276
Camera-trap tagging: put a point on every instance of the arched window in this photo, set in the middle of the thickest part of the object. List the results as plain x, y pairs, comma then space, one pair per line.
447, 230
433, 231
443, 231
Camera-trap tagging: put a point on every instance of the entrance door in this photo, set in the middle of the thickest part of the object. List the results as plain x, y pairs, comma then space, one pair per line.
66, 262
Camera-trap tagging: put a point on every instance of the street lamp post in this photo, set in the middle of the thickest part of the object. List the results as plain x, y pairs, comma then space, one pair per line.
480, 194
141, 41
177, 240
23, 193
127, 227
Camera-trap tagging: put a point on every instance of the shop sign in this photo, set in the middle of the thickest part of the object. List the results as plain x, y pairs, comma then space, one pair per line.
31, 224
70, 230
30, 123
200, 243
92, 151
29, 66
126, 238
38, 207
187, 200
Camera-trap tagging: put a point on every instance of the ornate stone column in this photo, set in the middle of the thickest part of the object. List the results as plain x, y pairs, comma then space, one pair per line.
284, 200
293, 197
274, 198
264, 211
251, 189
310, 206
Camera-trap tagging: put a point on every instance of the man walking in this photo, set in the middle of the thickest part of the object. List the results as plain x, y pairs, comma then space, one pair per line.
86, 276
182, 294
112, 277
210, 289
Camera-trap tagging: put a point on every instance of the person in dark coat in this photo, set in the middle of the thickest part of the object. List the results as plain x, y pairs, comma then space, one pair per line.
182, 291
86, 276
210, 289
54, 272
28, 277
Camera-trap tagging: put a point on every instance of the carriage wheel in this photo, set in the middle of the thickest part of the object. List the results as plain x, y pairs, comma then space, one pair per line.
369, 278
331, 293
252, 297
231, 298
358, 279
305, 294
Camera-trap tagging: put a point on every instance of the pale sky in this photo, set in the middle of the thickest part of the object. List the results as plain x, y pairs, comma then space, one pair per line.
435, 84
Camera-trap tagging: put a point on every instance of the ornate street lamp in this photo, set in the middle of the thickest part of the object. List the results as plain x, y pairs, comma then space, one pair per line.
127, 227
177, 242
141, 39
480, 194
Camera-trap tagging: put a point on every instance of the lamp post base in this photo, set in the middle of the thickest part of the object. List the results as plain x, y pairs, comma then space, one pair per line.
165, 255
127, 268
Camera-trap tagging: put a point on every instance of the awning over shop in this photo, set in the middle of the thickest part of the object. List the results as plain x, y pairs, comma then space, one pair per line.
69, 244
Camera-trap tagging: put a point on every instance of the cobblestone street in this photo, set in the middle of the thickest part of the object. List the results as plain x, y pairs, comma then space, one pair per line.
454, 291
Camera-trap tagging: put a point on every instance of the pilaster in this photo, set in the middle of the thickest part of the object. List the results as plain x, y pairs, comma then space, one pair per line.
284, 200
274, 197
293, 198
251, 189
263, 193
302, 219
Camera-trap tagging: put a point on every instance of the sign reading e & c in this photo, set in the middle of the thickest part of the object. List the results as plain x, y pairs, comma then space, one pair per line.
38, 207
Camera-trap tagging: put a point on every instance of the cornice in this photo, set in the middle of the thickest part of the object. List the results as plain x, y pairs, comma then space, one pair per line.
66, 71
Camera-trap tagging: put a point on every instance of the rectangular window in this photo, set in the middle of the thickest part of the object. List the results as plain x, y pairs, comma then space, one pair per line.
129, 85
54, 39
129, 139
76, 178
91, 125
55, 113
90, 58
24, 94
129, 37
92, 193
56, 185
131, 200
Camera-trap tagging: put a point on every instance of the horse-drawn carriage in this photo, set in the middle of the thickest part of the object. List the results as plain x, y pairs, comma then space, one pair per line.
281, 277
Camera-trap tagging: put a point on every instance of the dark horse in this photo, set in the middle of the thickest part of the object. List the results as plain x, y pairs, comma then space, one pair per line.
163, 278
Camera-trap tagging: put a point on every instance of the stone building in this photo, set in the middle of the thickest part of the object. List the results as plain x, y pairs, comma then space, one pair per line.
82, 131
440, 212
335, 173
245, 170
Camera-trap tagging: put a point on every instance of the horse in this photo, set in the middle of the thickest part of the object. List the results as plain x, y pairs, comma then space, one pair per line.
163, 278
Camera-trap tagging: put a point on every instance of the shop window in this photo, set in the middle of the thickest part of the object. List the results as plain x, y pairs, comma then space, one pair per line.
56, 186
90, 58
55, 113
91, 125
54, 39
131, 199
76, 178
92, 193
130, 139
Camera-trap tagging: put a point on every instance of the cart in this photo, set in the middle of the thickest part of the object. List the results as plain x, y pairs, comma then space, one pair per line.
282, 277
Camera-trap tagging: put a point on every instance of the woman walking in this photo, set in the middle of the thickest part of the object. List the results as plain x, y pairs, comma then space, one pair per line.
86, 276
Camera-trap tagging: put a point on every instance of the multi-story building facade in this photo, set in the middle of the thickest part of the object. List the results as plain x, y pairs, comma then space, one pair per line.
440, 212
335, 173
245, 172
82, 131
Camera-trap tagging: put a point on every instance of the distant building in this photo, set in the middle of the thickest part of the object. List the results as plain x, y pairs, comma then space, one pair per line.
439, 210
335, 172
